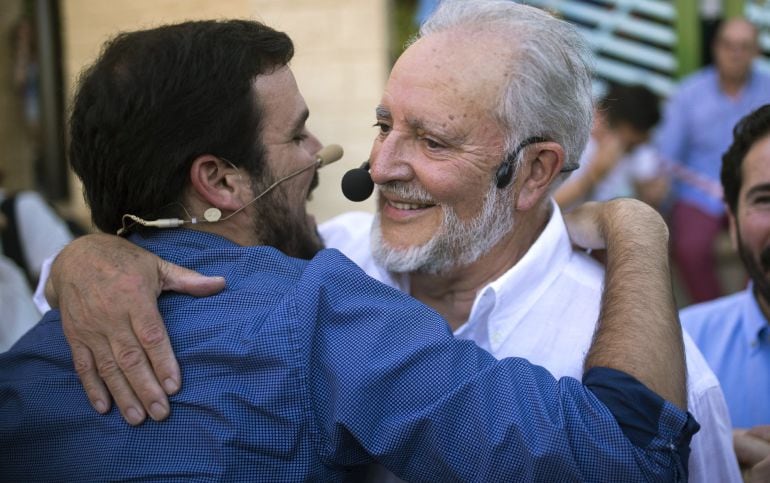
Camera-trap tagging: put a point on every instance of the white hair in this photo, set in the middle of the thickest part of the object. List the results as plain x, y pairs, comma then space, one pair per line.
549, 92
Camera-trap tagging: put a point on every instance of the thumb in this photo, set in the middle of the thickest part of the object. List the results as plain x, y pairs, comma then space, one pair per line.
182, 280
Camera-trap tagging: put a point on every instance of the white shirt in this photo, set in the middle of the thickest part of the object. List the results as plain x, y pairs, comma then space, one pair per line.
42, 233
545, 309
18, 312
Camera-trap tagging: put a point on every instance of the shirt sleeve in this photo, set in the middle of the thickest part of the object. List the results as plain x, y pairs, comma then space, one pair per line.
671, 136
713, 457
41, 231
389, 382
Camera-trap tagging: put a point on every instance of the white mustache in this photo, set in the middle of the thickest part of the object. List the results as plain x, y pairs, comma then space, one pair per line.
407, 191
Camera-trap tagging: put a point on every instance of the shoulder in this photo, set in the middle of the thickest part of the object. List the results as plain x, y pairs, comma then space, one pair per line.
30, 201
762, 75
585, 273
695, 84
700, 377
713, 315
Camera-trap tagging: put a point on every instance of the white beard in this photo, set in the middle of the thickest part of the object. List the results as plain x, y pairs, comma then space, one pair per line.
456, 243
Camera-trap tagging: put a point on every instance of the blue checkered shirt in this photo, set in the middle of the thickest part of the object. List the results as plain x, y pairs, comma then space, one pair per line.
303, 370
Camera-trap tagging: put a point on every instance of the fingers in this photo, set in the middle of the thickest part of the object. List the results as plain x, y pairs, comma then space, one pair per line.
109, 371
151, 332
108, 290
152, 336
182, 280
131, 379
85, 366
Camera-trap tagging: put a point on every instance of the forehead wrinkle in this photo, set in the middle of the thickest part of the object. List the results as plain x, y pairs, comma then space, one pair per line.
447, 134
415, 124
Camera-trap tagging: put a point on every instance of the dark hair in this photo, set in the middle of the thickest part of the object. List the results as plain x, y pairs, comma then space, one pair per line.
746, 133
635, 105
157, 99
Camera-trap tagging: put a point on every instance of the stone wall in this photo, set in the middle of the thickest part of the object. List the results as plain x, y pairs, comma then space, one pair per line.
340, 64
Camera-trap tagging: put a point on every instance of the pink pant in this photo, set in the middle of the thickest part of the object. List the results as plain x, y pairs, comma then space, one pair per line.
693, 234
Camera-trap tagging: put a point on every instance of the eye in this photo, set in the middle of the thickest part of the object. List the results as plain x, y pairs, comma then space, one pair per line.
297, 139
432, 143
384, 128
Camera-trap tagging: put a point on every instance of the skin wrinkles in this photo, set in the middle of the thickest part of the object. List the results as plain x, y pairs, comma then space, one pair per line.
449, 104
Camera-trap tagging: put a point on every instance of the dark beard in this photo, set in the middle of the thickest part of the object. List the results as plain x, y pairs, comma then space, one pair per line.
277, 226
757, 269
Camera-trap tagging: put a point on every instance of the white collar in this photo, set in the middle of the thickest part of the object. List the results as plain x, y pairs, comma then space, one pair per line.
520, 288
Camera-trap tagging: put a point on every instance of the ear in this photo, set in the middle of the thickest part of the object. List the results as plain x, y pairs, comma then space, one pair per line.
732, 226
541, 166
218, 183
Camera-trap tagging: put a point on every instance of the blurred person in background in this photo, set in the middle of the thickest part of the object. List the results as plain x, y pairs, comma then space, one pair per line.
733, 332
32, 230
695, 132
18, 311
618, 160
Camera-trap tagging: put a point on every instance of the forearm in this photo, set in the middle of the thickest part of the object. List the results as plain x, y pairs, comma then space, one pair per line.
638, 330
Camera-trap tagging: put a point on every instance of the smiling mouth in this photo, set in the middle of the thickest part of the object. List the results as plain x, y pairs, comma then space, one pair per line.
402, 205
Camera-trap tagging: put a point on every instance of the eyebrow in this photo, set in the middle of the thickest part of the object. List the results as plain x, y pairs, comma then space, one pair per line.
383, 112
419, 125
299, 124
760, 188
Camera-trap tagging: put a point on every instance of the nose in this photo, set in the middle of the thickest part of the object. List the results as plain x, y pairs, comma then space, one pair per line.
389, 159
313, 145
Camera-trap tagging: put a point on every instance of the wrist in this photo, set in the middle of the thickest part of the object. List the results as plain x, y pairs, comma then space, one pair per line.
625, 221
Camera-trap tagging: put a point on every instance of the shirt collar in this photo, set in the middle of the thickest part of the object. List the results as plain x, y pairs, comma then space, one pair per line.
754, 325
522, 285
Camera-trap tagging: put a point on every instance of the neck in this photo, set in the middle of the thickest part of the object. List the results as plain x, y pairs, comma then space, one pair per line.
238, 229
452, 294
732, 86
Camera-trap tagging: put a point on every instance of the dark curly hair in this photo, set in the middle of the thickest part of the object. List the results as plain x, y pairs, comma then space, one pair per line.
157, 99
746, 133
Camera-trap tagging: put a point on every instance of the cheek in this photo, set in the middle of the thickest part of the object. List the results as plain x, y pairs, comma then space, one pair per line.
755, 229
463, 192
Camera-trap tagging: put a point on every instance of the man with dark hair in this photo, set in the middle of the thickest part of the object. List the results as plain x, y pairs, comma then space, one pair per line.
618, 161
695, 132
733, 331
301, 369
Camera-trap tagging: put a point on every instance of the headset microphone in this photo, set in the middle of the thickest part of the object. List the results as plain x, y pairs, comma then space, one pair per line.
328, 154
357, 184
324, 157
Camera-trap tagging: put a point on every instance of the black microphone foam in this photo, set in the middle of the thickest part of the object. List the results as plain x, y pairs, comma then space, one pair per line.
357, 184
